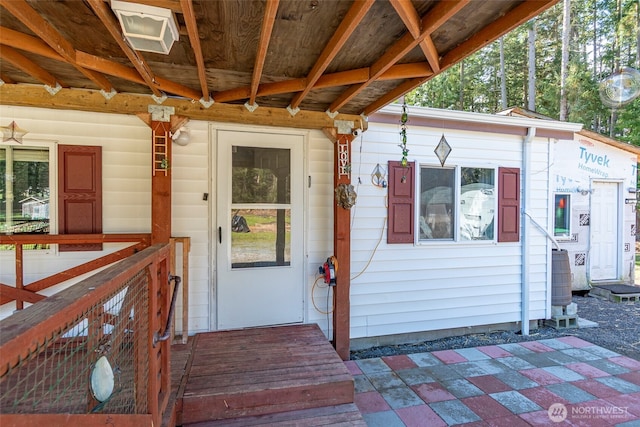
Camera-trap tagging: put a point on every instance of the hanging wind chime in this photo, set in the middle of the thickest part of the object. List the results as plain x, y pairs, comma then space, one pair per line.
404, 118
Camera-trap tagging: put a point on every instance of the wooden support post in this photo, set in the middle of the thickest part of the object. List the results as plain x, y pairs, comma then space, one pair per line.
161, 182
184, 274
19, 274
342, 249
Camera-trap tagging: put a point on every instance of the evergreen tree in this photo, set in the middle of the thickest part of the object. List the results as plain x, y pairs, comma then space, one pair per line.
604, 36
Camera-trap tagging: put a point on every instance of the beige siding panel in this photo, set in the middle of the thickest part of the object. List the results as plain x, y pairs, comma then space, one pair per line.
190, 218
126, 178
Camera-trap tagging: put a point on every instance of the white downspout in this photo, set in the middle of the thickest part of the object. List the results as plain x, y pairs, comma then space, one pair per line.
526, 148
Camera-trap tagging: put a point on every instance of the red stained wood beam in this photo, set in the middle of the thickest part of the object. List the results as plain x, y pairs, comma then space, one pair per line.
10, 293
66, 420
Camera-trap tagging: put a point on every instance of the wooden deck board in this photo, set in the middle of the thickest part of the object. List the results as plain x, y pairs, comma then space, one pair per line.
265, 372
337, 416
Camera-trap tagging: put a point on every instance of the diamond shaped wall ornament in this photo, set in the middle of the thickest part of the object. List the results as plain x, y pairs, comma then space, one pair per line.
443, 149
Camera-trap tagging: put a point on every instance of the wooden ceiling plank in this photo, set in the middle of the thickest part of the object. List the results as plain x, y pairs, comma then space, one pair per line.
20, 61
194, 38
435, 17
97, 78
172, 5
32, 20
124, 103
507, 22
351, 20
268, 21
105, 15
441, 13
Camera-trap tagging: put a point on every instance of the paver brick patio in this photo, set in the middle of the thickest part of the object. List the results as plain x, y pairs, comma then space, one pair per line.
511, 385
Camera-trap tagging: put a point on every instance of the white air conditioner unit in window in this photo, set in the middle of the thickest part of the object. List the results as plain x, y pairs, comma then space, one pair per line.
147, 28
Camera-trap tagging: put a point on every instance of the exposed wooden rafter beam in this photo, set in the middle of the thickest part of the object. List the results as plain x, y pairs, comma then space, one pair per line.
341, 78
27, 43
194, 38
9, 37
30, 18
265, 36
124, 103
351, 20
6, 79
118, 70
411, 19
437, 16
103, 12
507, 22
20, 61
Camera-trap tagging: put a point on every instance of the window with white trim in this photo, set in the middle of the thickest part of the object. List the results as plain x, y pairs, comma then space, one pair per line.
443, 190
25, 191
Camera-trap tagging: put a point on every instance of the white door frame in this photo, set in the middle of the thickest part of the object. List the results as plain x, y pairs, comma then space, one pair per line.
618, 229
213, 207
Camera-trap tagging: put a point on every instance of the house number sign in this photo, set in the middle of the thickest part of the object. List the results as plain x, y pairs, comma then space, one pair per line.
344, 168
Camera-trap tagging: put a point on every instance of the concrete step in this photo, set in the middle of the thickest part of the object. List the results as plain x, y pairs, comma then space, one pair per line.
562, 322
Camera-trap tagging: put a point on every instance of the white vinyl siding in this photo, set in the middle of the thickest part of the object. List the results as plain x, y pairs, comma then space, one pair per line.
319, 224
442, 284
190, 218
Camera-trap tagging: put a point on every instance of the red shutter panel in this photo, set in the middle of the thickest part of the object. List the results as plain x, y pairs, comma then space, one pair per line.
401, 203
508, 205
80, 193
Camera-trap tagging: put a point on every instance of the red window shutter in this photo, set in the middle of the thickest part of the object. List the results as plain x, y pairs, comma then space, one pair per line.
508, 205
401, 203
80, 193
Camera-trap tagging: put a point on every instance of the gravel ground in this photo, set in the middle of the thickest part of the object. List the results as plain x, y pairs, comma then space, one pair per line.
618, 330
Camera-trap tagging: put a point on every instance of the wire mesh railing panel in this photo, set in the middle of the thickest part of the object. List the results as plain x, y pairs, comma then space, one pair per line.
97, 363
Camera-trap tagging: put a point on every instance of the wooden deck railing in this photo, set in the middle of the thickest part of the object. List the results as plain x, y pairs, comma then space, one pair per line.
88, 352
22, 292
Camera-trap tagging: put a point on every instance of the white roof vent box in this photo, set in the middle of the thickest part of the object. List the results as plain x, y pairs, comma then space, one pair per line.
146, 28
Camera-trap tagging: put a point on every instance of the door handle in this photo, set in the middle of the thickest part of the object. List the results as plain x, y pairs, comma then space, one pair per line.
220, 234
